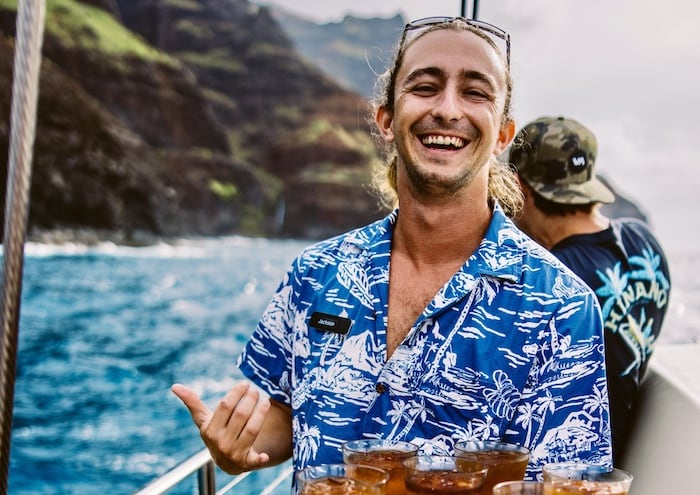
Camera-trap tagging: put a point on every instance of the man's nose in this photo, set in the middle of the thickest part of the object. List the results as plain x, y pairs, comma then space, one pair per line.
447, 107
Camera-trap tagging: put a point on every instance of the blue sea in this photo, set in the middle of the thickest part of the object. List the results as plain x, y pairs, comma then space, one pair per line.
105, 330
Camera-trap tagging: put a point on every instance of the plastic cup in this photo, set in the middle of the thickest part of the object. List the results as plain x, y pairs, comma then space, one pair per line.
505, 461
443, 475
572, 478
521, 488
385, 454
341, 479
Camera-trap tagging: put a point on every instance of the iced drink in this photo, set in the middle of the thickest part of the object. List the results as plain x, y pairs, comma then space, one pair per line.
385, 454
583, 487
335, 485
571, 478
443, 475
521, 488
505, 461
341, 479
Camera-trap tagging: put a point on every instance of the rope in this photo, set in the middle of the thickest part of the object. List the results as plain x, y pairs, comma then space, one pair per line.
28, 41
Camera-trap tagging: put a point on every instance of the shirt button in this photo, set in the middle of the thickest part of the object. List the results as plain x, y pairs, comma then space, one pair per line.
380, 388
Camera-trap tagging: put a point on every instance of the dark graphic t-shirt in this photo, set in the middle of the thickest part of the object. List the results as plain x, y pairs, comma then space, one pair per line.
627, 269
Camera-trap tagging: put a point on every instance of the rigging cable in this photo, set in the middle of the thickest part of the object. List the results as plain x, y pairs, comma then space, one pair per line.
475, 9
25, 89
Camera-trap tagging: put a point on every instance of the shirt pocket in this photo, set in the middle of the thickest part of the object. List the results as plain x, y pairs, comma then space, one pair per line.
462, 395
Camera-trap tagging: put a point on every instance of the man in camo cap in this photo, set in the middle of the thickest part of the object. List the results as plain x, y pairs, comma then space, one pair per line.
556, 157
620, 259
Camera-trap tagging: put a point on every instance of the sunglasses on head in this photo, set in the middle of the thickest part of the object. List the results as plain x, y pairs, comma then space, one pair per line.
498, 35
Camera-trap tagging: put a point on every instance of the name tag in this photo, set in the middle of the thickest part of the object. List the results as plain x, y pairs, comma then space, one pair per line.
330, 323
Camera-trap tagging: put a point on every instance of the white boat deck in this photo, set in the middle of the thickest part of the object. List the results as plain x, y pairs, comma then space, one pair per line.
664, 445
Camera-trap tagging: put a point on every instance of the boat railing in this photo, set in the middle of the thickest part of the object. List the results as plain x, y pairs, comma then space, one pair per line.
202, 465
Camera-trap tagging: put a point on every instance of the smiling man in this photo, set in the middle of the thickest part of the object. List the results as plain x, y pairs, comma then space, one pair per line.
441, 322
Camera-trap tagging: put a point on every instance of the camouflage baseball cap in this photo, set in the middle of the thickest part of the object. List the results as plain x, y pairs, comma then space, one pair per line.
556, 157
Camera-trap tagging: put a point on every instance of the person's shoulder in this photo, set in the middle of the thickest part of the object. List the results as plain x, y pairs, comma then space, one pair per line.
347, 244
540, 255
637, 231
542, 268
530, 250
632, 223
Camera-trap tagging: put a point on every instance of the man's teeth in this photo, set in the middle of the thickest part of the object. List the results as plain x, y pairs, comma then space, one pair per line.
443, 141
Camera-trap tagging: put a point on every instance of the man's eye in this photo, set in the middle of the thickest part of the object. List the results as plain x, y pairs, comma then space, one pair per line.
476, 94
423, 89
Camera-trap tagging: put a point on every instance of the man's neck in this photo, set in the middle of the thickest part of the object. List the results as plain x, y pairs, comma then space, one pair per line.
429, 245
555, 229
440, 234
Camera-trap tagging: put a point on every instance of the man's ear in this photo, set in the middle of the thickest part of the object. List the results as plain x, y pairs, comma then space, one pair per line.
384, 118
505, 137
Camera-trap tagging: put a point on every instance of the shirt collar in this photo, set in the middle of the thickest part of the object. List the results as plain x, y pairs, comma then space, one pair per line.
500, 253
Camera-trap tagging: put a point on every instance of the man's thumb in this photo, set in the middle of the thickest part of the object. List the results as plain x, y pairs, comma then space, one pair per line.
198, 410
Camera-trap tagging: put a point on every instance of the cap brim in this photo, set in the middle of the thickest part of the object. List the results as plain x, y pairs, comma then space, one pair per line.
593, 191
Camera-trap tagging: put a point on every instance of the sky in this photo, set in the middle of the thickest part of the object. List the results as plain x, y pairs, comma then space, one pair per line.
627, 69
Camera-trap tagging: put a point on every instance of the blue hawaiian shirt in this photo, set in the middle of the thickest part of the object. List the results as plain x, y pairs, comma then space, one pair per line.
511, 348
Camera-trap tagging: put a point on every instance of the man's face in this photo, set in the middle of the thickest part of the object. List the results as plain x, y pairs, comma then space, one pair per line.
450, 97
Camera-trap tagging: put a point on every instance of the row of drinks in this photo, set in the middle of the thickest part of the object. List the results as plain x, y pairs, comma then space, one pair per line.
389, 467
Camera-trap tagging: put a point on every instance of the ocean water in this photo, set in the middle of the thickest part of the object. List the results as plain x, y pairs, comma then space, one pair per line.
105, 331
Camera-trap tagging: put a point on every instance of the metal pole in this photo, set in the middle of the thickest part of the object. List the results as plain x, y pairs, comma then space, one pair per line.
463, 12
28, 41
206, 479
475, 9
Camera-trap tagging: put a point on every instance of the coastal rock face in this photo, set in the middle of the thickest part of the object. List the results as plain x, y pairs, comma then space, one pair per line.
212, 125
240, 56
93, 172
279, 111
159, 101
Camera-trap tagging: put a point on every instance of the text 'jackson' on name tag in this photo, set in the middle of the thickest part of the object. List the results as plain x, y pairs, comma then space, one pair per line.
330, 323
